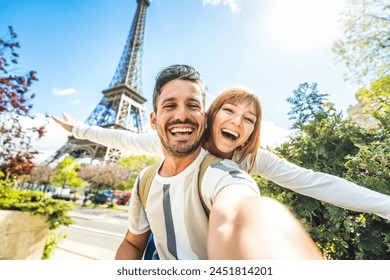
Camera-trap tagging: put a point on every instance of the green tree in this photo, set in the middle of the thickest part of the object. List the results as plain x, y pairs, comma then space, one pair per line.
307, 103
376, 98
136, 164
364, 47
326, 142
322, 131
101, 177
370, 166
66, 174
41, 175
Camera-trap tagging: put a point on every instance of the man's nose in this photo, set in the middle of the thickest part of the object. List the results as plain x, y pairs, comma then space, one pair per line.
182, 113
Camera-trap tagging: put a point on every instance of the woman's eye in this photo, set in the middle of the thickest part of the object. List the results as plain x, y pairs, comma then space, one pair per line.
228, 110
250, 120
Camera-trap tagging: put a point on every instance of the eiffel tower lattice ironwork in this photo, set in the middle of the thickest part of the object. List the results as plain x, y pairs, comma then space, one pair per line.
121, 106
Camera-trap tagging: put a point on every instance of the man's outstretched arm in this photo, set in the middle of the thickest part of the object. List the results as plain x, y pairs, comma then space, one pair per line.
244, 225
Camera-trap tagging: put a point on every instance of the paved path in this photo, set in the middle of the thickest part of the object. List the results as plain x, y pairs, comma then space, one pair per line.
70, 250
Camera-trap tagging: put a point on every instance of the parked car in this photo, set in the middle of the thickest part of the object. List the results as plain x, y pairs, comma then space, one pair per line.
121, 197
65, 194
99, 199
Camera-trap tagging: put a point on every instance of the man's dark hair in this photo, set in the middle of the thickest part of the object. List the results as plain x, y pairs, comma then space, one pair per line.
177, 72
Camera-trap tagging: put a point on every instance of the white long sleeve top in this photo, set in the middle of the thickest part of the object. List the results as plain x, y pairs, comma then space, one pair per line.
321, 186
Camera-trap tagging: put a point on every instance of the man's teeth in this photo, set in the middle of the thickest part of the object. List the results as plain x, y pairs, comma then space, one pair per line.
181, 130
235, 134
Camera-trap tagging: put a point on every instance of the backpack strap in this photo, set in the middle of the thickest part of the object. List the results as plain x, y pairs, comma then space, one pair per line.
146, 182
207, 161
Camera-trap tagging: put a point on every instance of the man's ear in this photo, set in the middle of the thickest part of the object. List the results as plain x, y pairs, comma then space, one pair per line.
153, 120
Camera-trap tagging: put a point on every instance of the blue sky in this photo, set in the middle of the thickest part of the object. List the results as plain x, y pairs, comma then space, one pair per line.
270, 46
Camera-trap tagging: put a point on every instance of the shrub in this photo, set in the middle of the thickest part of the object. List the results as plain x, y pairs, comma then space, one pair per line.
36, 203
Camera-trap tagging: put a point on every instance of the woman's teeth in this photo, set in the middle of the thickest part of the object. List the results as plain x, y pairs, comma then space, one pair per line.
230, 134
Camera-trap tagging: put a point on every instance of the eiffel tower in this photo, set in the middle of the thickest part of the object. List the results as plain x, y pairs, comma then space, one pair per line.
121, 106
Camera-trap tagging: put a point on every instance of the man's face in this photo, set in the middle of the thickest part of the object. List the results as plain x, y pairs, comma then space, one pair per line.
180, 118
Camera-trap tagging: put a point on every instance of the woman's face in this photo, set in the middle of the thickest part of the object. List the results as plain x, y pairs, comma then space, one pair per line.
231, 128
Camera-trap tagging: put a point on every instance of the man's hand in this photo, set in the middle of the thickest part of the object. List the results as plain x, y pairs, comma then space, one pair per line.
246, 226
68, 123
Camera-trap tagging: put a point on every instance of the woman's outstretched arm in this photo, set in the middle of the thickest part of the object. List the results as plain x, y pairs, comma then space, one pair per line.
136, 143
321, 186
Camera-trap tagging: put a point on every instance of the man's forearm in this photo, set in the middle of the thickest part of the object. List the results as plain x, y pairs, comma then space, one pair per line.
132, 246
126, 251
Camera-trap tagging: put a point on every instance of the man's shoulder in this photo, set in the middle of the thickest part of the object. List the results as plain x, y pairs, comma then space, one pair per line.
224, 169
224, 173
224, 163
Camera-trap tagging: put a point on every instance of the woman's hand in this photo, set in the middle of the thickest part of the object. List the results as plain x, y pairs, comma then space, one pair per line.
68, 123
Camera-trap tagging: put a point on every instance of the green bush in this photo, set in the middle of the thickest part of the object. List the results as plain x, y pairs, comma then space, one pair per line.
53, 238
36, 203
325, 142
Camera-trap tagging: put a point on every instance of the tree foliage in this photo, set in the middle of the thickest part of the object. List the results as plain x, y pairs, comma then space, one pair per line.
66, 174
364, 47
136, 164
307, 103
370, 166
41, 175
325, 142
16, 152
101, 177
376, 98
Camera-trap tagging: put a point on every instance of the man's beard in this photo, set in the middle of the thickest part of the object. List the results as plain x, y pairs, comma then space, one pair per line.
179, 150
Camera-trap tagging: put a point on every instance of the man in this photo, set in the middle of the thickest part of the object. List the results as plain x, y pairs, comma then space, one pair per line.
242, 225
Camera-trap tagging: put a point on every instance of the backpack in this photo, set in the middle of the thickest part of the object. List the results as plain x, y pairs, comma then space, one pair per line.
150, 252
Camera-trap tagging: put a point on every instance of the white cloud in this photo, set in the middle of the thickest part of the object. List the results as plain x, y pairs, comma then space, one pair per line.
54, 138
76, 102
233, 5
64, 91
273, 135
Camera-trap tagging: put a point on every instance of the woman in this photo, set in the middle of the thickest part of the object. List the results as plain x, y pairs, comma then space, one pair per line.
233, 126
233, 132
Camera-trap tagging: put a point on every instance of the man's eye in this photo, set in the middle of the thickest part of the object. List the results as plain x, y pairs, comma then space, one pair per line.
194, 106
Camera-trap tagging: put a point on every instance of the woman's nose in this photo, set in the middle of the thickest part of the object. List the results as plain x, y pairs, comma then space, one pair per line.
237, 120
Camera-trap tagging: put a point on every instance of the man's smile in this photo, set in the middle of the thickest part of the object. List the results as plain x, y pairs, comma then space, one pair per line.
181, 130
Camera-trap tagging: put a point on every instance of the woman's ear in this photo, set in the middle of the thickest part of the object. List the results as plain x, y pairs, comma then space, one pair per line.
153, 120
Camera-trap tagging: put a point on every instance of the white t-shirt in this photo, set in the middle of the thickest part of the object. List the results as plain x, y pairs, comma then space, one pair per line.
174, 210
321, 186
